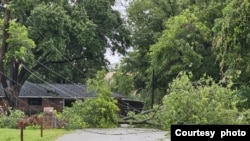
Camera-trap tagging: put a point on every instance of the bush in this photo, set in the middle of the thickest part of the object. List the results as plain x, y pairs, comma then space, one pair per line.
10, 121
203, 102
14, 116
3, 121
73, 116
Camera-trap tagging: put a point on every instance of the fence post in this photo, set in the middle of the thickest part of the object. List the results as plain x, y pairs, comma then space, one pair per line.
21, 134
41, 126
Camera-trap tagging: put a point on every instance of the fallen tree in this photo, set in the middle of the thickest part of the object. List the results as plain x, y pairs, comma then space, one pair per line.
148, 117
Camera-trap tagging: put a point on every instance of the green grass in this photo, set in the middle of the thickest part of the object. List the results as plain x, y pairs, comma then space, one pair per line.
31, 134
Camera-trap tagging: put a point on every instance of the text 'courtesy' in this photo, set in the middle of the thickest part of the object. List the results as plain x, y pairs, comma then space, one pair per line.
210, 132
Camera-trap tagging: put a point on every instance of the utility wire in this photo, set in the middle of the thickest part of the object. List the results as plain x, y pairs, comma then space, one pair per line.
46, 82
22, 101
57, 74
123, 104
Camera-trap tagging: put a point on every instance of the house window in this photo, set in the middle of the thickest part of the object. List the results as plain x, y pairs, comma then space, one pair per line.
68, 102
35, 101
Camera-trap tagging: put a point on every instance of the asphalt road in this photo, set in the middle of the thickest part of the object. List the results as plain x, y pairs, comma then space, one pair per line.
116, 134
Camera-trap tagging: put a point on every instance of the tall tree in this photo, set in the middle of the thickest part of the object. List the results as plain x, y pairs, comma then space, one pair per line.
184, 46
152, 20
146, 19
232, 39
56, 34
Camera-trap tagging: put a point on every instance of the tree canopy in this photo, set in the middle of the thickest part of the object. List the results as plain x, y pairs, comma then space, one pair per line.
68, 37
62, 40
204, 37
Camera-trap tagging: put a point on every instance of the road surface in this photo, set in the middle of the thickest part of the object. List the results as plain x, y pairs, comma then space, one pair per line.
116, 134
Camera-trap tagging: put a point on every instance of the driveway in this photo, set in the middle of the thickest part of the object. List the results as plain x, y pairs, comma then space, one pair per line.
116, 134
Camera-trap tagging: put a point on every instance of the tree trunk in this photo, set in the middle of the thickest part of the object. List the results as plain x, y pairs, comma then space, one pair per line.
11, 91
14, 86
13, 72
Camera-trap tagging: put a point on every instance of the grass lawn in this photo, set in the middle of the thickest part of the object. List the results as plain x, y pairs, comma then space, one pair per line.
31, 134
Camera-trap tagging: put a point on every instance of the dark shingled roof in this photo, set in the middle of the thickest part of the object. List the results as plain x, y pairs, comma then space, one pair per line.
1, 91
77, 91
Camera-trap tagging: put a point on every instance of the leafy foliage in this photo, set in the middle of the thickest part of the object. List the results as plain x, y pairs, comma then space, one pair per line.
244, 92
200, 36
182, 47
202, 102
20, 45
232, 39
103, 111
168, 37
100, 112
70, 37
10, 121
66, 37
104, 107
73, 116
146, 19
121, 83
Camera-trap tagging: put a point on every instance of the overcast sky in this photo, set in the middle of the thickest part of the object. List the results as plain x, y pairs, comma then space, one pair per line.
113, 58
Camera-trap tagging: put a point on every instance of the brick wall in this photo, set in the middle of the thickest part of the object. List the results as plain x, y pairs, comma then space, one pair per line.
56, 103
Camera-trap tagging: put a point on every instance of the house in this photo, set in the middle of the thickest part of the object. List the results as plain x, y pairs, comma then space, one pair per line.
34, 98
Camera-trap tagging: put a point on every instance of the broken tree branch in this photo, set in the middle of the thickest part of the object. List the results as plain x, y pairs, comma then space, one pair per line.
132, 119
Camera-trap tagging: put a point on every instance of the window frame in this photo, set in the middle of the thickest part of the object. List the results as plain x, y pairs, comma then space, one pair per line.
35, 101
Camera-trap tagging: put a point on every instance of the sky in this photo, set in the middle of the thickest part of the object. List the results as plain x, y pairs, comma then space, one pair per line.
113, 59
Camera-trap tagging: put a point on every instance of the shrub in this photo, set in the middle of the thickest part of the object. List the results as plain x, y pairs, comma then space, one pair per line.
3, 121
10, 121
73, 116
14, 116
